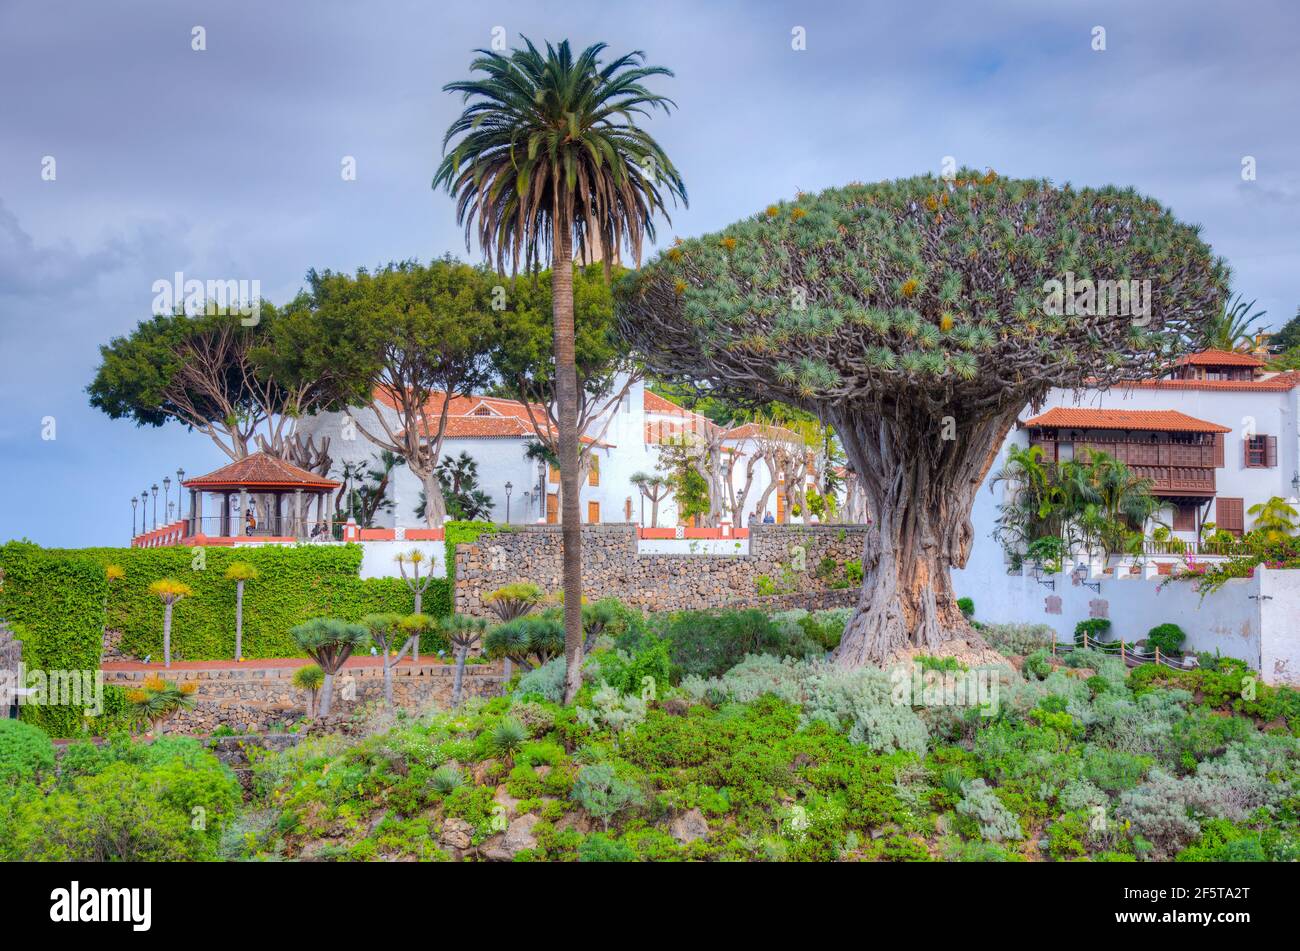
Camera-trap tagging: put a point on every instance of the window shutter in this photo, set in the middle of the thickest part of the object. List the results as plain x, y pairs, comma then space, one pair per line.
1270, 451
1228, 515
1184, 518
1218, 450
593, 474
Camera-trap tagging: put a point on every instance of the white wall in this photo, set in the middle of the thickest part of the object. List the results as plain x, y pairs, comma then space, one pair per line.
379, 559
693, 546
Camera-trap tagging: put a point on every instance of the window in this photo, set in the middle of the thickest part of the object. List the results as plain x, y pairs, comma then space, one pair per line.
1185, 517
1260, 452
593, 473
1228, 515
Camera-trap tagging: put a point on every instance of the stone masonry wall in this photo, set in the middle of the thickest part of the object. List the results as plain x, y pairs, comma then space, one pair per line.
611, 567
262, 698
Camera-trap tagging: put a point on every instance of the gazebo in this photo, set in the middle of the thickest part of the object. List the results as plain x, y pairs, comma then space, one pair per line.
267, 483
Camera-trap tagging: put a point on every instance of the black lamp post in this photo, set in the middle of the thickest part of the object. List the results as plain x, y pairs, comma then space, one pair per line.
509, 488
180, 502
134, 503
154, 489
167, 499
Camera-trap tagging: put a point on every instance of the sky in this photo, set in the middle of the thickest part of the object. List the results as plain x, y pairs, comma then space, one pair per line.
226, 162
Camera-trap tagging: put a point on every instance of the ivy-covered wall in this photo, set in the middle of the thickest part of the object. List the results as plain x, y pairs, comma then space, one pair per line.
293, 585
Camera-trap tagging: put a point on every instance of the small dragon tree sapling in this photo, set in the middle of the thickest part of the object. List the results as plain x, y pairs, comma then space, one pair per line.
329, 642
309, 678
386, 632
156, 701
169, 591
463, 633
513, 601
414, 558
112, 573
240, 572
528, 641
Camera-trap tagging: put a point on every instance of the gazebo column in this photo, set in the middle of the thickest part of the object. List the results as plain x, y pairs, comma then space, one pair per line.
196, 510
329, 515
243, 507
297, 513
225, 513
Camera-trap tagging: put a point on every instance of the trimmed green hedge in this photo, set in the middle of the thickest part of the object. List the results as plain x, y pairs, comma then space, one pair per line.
54, 603
293, 584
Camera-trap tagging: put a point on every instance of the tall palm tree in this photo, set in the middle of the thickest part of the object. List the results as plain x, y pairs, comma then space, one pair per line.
1234, 329
549, 159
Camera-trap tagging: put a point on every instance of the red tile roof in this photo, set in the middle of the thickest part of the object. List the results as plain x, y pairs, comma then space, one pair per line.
261, 471
1273, 384
1220, 358
1163, 420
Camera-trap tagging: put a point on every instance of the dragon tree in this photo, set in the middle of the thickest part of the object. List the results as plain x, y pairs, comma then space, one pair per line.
919, 317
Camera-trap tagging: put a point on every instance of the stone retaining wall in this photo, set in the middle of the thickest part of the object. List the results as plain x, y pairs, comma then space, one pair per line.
788, 555
264, 698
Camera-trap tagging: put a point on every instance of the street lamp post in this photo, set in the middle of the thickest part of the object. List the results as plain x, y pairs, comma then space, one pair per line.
509, 487
134, 502
154, 490
167, 500
180, 502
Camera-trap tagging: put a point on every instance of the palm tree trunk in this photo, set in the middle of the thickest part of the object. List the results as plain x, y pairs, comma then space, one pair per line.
167, 634
566, 395
239, 619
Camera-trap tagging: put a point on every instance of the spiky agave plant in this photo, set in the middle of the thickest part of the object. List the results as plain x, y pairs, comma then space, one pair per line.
156, 701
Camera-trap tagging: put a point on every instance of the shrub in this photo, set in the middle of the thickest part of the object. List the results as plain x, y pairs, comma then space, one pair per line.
599, 847
1018, 638
603, 793
507, 737
447, 779
966, 606
164, 801
612, 710
985, 811
546, 681
1094, 628
1037, 664
632, 673
26, 751
1168, 638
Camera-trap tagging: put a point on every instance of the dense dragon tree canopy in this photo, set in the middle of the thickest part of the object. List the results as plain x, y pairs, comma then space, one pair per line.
926, 291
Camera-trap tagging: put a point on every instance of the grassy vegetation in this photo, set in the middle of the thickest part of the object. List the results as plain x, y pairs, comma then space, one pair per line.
776, 757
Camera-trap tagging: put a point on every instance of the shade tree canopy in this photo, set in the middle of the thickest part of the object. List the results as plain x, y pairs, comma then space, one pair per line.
919, 317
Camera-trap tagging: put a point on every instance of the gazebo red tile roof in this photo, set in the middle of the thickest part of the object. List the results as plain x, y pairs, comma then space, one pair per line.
1163, 420
261, 471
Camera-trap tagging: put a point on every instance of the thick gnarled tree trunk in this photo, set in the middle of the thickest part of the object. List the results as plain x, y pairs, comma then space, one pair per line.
920, 475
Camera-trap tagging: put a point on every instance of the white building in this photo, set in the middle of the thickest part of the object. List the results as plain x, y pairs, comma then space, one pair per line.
496, 433
1217, 436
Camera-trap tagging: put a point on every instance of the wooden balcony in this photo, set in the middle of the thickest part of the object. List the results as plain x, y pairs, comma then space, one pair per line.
1178, 480
1174, 468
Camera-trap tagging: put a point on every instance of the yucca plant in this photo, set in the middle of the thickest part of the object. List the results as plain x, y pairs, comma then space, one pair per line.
548, 158
240, 572
507, 737
527, 641
169, 591
447, 779
417, 586
156, 701
386, 632
329, 642
309, 678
